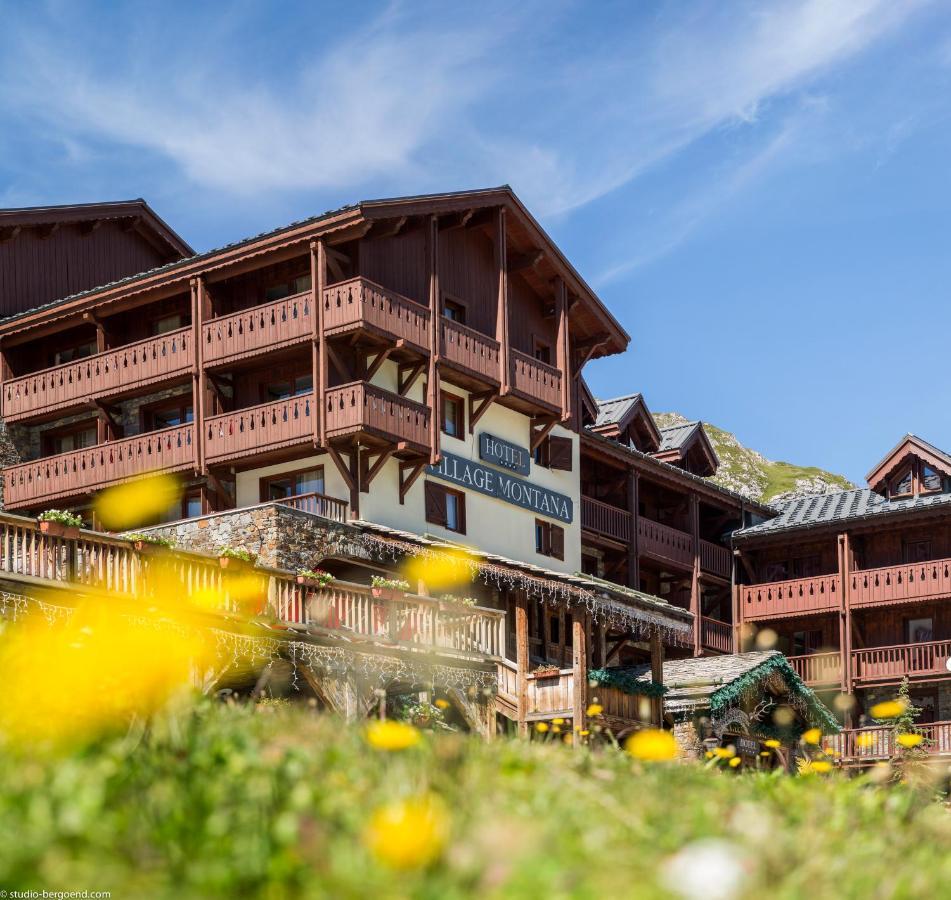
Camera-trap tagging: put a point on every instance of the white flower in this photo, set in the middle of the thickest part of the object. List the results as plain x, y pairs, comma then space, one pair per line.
709, 869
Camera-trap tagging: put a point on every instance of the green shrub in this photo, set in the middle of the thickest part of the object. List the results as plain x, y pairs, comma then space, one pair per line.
238, 553
61, 516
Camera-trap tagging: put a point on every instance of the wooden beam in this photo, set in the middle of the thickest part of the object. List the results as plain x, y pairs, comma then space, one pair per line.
479, 405
88, 228
47, 231
387, 228
435, 315
633, 542
340, 364
342, 467
201, 310
525, 261
502, 301
539, 430
616, 648
9, 233
406, 376
468, 710
585, 349
336, 261
563, 348
695, 575
579, 673
382, 357
657, 675
521, 660
368, 472
456, 220
409, 473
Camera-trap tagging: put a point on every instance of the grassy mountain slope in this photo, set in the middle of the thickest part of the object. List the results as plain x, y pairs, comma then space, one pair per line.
750, 473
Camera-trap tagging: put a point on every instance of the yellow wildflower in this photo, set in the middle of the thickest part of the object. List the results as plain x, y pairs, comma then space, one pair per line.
822, 766
442, 704
652, 745
584, 732
137, 503
541, 727
408, 834
709, 754
890, 709
390, 735
909, 740
764, 753
724, 752
595, 709
439, 573
556, 729
557, 721
864, 740
772, 743
812, 736
735, 762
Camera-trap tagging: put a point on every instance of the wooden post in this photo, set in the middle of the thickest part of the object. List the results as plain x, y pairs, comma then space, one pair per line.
845, 617
564, 355
657, 675
695, 577
201, 309
579, 673
521, 659
435, 333
318, 278
633, 552
502, 310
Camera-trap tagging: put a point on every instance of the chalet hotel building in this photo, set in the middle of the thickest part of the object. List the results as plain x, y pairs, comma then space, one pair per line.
416, 365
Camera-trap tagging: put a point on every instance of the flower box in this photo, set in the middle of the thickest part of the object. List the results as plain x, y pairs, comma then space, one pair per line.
541, 674
58, 529
382, 593
234, 564
149, 548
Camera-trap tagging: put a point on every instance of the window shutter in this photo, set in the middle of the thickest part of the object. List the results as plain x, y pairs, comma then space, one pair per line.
435, 503
557, 541
559, 453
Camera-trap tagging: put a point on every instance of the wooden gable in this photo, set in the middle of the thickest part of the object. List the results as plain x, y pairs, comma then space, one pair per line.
913, 466
694, 454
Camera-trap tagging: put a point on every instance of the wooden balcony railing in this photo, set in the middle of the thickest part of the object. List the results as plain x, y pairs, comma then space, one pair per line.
664, 542
878, 742
929, 658
360, 406
360, 303
716, 635
259, 329
318, 505
550, 695
792, 597
536, 380
269, 426
605, 519
103, 375
818, 668
475, 353
899, 584
715, 559
81, 471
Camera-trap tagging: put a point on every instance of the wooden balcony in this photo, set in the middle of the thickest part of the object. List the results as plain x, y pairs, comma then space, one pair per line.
536, 381
818, 668
605, 519
360, 305
469, 354
794, 597
859, 745
364, 409
261, 429
715, 559
900, 584
716, 635
260, 329
318, 505
82, 471
103, 376
922, 660
664, 543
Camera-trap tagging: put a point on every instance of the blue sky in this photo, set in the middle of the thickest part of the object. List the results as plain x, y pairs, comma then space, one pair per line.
760, 192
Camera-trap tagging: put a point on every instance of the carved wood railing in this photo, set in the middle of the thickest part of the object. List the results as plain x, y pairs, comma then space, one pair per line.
818, 668
899, 584
878, 742
361, 302
796, 595
82, 471
102, 375
470, 349
268, 426
363, 406
266, 327
894, 662
535, 379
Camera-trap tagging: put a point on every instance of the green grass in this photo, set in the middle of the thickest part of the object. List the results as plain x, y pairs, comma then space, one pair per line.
232, 802
782, 477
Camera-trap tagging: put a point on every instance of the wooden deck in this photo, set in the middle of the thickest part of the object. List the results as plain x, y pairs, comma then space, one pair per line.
795, 596
260, 429
857, 746
364, 408
260, 329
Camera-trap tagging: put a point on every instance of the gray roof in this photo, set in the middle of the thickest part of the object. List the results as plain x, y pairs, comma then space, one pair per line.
841, 506
701, 676
675, 436
611, 412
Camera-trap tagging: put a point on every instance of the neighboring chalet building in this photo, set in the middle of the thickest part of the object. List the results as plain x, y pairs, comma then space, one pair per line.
652, 519
857, 586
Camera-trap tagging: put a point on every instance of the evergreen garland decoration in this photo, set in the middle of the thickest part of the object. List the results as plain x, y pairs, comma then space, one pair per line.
626, 681
813, 710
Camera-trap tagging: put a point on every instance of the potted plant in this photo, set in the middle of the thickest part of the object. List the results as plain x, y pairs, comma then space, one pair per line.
150, 543
60, 523
236, 558
388, 588
315, 578
450, 603
546, 670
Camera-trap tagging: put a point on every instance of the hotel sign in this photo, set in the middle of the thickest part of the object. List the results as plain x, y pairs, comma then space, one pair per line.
502, 453
477, 477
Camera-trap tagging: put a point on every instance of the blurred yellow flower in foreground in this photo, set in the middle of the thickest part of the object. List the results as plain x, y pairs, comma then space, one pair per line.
558, 721
724, 752
735, 762
541, 727
772, 743
890, 709
595, 709
652, 745
390, 735
447, 570
137, 503
814, 766
864, 740
441, 704
909, 740
812, 736
71, 681
408, 834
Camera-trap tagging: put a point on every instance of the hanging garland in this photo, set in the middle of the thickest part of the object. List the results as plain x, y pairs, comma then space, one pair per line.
627, 681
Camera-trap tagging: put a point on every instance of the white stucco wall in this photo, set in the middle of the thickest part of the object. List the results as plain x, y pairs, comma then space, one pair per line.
492, 524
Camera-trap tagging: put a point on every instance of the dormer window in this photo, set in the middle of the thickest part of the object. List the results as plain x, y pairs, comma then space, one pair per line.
931, 481
901, 485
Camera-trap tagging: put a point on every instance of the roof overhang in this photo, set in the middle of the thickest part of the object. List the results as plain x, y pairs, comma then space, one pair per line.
909, 445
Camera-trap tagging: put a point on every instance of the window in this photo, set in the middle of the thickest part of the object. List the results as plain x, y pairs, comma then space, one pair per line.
168, 323
292, 484
589, 564
549, 539
917, 551
292, 387
71, 354
453, 415
454, 310
901, 485
445, 507
187, 507
930, 480
542, 351
555, 453
288, 288
804, 642
776, 571
806, 566
167, 414
918, 631
75, 437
